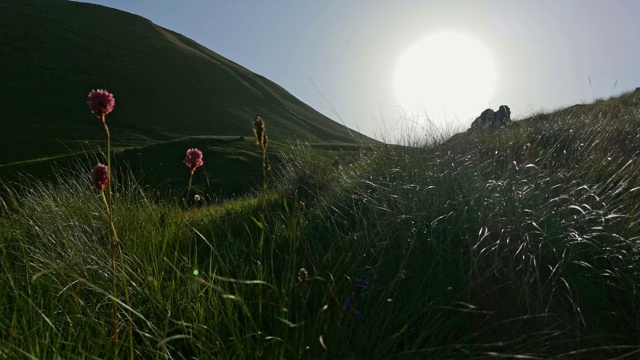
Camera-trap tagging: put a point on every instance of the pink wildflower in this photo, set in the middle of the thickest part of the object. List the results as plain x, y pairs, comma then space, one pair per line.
101, 102
193, 159
100, 176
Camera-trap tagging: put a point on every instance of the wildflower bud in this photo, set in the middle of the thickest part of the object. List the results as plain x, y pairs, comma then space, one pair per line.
100, 176
347, 304
101, 102
303, 275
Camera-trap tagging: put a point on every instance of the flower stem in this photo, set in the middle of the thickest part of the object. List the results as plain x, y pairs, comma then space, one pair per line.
186, 199
115, 246
115, 288
265, 178
109, 202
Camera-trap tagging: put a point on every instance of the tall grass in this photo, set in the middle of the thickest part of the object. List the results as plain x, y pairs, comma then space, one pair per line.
499, 243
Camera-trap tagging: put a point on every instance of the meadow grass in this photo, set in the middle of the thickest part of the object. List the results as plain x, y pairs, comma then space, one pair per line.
514, 242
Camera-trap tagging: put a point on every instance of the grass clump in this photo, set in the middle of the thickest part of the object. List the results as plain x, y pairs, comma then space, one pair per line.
519, 242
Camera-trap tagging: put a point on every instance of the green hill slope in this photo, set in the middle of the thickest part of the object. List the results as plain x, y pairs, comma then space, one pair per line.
166, 86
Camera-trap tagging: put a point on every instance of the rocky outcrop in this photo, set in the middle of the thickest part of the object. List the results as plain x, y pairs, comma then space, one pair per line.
490, 119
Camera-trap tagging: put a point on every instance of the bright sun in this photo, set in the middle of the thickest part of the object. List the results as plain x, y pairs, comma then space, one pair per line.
449, 71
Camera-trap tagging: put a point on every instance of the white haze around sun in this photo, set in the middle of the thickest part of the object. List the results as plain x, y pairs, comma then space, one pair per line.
449, 73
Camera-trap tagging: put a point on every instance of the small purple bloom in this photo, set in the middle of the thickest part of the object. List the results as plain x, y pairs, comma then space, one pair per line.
101, 102
347, 304
193, 159
100, 176
361, 282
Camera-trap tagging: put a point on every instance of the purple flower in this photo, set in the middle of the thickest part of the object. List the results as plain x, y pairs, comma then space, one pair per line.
360, 282
100, 176
347, 304
101, 102
193, 159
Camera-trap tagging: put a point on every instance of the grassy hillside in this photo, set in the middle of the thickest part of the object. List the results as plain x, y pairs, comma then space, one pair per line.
232, 164
166, 86
514, 243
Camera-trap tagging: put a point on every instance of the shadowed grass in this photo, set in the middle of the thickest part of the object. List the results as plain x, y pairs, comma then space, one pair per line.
521, 242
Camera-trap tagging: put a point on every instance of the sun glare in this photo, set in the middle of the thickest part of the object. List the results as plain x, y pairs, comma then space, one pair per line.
446, 71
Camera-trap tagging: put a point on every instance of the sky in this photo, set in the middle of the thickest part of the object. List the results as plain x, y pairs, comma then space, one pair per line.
387, 67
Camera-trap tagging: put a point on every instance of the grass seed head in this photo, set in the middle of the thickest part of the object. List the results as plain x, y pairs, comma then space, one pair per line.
259, 128
303, 275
